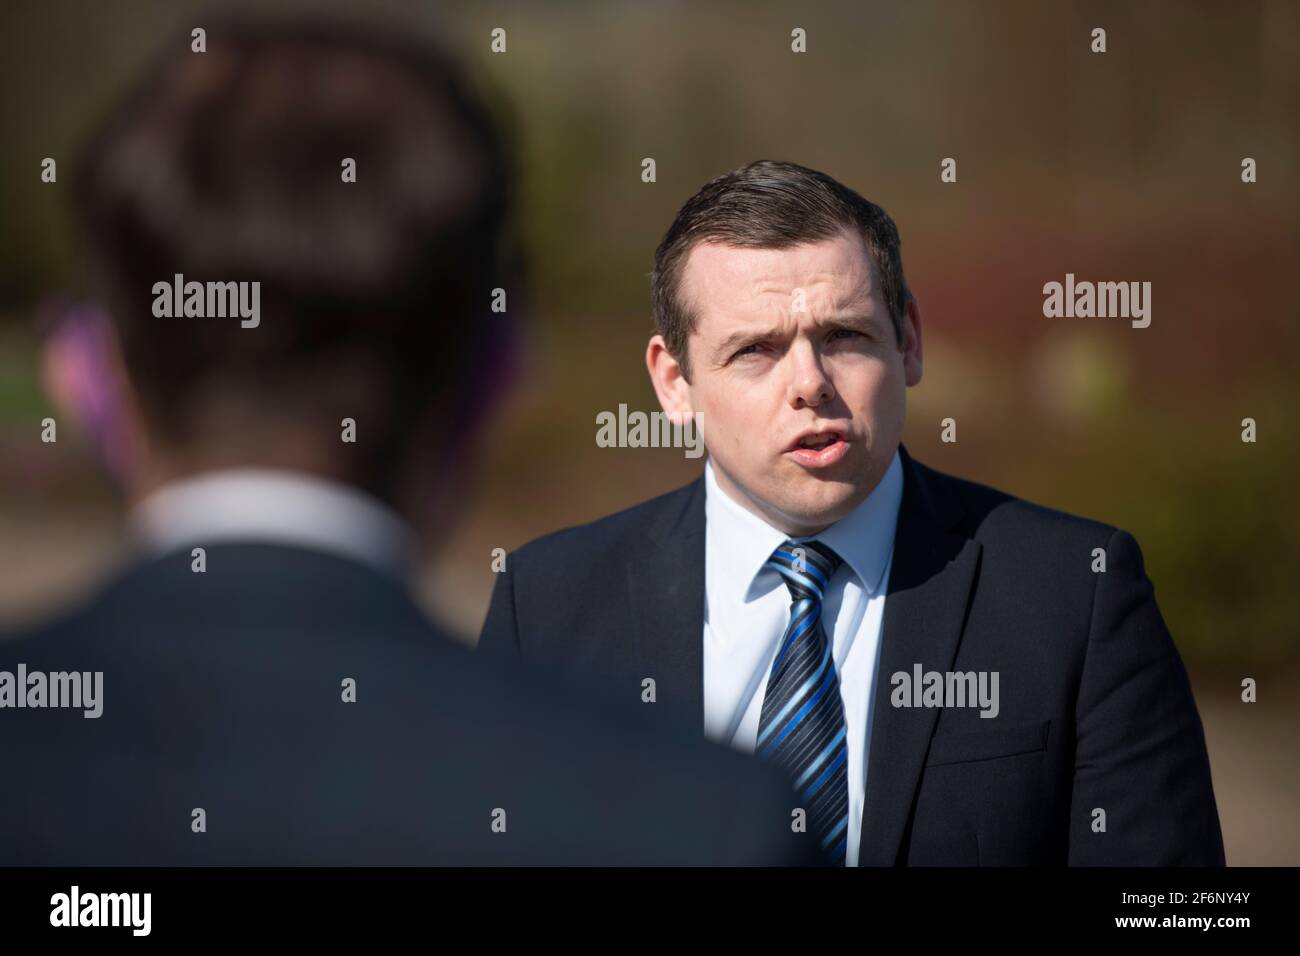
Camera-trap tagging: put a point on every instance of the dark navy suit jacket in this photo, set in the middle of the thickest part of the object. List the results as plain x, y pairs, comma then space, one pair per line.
1096, 711
223, 691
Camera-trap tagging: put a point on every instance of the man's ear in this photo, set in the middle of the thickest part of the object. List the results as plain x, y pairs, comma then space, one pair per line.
85, 379
912, 342
670, 384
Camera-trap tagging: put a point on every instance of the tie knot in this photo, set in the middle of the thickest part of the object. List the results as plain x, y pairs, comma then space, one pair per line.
807, 567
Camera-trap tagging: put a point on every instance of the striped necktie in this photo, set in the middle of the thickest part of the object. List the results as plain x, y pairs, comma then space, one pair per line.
802, 724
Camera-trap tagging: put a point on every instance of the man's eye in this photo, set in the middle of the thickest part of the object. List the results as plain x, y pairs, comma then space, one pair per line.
748, 350
849, 332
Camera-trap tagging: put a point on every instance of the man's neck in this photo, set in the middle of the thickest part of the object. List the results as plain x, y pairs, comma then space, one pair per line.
776, 519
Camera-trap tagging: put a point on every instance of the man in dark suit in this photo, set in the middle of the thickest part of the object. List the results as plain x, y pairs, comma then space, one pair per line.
950, 675
259, 685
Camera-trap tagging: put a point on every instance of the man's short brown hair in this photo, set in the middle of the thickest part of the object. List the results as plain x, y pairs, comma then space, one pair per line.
375, 292
769, 205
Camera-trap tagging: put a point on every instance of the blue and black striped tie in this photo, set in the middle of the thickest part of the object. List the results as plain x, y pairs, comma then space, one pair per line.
802, 725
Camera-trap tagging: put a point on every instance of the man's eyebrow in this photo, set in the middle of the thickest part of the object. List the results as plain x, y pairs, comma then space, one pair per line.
855, 319
738, 340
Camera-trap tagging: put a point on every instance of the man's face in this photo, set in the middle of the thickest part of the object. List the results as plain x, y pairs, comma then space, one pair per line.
797, 373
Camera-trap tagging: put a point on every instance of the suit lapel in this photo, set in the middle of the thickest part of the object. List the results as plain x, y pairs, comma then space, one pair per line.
665, 580
925, 608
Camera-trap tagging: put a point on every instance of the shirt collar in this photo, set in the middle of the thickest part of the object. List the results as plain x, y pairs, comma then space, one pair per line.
275, 505
864, 537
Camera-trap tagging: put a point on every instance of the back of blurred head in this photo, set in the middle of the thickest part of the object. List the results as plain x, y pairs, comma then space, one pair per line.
375, 299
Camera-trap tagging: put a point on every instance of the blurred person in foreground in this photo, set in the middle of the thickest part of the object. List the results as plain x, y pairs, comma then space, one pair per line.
946, 672
270, 692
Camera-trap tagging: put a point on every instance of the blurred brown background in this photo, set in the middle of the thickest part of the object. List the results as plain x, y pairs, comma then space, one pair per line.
1123, 166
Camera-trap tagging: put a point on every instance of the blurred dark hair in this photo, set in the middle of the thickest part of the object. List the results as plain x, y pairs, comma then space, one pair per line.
769, 205
375, 295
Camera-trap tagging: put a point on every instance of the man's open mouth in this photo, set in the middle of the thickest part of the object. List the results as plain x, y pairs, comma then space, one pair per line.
819, 449
818, 441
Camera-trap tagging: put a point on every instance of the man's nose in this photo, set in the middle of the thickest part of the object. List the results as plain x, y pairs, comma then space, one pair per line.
809, 385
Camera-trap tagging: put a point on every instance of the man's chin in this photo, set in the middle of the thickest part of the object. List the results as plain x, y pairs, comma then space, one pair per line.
814, 512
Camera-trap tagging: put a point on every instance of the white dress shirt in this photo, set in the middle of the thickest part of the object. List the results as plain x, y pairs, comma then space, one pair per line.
747, 608
277, 506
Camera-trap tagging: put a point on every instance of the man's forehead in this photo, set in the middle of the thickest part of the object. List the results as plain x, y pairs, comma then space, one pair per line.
834, 273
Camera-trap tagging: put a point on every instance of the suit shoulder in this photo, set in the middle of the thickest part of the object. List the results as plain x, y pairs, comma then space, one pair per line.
612, 531
992, 515
61, 628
